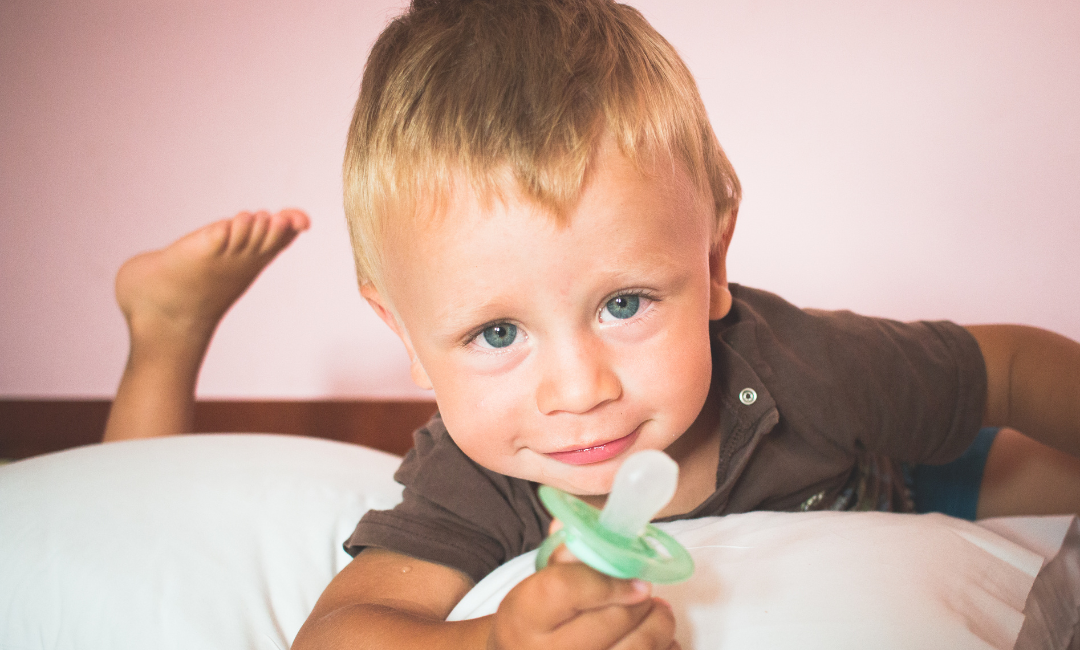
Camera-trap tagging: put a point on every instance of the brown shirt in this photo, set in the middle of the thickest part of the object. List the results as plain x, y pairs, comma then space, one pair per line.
816, 411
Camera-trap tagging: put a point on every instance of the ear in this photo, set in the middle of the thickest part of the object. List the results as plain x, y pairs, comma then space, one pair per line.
720, 295
382, 308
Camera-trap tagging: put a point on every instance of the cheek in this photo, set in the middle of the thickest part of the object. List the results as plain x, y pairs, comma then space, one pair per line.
482, 414
676, 371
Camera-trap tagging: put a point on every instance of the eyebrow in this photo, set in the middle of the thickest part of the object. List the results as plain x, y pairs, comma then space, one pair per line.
456, 327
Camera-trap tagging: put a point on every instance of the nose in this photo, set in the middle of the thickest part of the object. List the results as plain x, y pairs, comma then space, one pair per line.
576, 377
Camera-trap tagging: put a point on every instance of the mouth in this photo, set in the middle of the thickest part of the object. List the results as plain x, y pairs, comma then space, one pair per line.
596, 453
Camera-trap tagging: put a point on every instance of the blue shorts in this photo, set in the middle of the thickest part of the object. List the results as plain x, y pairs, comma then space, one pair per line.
953, 488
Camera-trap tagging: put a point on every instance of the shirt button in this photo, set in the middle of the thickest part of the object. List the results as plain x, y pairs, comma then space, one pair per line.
748, 396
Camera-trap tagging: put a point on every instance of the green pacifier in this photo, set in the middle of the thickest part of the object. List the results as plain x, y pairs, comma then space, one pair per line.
619, 540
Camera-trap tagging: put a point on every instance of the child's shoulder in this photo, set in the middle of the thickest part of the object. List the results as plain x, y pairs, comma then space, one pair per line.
454, 512
778, 322
811, 355
902, 389
437, 468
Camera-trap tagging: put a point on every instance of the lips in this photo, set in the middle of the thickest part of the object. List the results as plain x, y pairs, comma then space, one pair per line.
595, 453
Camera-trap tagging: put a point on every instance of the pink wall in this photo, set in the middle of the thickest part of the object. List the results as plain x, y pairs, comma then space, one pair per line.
912, 160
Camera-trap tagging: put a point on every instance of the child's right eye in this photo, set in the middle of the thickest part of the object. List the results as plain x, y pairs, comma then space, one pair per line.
497, 336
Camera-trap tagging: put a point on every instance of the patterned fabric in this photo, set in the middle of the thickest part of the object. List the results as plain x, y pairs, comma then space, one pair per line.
876, 483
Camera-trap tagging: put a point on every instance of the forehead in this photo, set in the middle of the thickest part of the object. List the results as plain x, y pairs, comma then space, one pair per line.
612, 182
473, 245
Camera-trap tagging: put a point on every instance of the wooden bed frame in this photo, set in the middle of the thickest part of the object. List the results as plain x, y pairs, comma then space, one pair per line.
33, 427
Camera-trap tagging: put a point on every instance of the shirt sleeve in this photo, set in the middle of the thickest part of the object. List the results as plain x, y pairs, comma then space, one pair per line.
915, 392
453, 511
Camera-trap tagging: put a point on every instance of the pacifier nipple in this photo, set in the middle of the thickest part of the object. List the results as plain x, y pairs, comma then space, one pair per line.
620, 541
643, 486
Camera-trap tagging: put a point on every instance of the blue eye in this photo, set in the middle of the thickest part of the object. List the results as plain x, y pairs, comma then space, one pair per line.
623, 307
500, 335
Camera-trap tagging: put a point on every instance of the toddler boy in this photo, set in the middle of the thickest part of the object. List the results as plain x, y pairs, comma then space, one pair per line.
540, 210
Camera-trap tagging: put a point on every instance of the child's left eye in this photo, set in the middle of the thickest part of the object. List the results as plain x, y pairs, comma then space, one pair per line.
499, 335
623, 307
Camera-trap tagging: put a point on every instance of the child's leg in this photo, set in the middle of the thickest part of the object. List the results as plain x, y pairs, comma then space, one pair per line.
1025, 477
173, 299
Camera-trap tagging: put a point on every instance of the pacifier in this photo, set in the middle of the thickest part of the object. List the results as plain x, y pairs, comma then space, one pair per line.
619, 540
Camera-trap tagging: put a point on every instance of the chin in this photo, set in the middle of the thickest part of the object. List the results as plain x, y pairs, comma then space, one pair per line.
584, 480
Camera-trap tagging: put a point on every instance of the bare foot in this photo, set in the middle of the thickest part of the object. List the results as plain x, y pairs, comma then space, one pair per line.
173, 299
188, 286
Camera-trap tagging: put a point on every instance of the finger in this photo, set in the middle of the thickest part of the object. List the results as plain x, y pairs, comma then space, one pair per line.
567, 590
656, 631
614, 626
562, 555
596, 628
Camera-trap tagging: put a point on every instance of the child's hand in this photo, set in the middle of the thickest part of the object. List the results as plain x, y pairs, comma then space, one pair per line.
572, 606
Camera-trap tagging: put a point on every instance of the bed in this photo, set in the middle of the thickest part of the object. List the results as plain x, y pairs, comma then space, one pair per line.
226, 541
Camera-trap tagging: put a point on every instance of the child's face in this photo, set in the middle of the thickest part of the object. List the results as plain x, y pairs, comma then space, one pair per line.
556, 351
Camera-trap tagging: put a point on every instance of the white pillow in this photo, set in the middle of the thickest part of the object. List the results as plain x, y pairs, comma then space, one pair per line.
835, 580
227, 541
221, 541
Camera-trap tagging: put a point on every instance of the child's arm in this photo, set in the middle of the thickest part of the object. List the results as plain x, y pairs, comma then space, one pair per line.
384, 599
1033, 383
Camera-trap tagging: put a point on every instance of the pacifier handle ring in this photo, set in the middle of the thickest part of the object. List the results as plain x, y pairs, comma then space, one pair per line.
552, 542
607, 552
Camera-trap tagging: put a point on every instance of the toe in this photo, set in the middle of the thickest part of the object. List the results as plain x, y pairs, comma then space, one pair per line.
212, 239
259, 229
279, 233
284, 227
240, 228
298, 219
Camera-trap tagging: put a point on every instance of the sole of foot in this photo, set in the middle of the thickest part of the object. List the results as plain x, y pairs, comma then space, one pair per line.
185, 288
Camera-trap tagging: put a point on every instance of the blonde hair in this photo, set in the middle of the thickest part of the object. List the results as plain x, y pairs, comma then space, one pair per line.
486, 89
